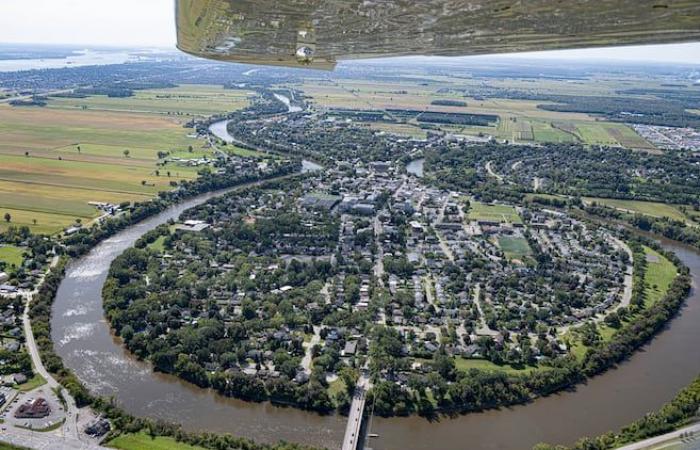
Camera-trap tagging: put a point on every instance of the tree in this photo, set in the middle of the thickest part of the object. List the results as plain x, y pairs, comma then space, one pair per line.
34, 221
26, 154
8, 217
126, 153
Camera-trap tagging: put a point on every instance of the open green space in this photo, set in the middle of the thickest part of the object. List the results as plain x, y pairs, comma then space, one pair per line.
158, 245
653, 209
658, 277
486, 365
142, 441
493, 213
9, 254
514, 247
183, 100
32, 383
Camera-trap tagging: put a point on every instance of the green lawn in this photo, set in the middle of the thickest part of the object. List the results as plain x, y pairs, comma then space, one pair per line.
658, 277
10, 254
514, 247
497, 213
33, 383
158, 244
142, 441
653, 209
483, 364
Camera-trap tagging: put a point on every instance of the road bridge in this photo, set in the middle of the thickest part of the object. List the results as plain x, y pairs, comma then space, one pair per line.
357, 408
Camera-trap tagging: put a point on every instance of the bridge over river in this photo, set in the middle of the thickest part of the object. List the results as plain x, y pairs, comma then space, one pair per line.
352, 438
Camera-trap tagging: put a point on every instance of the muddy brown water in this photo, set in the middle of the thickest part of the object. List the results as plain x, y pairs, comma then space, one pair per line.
643, 383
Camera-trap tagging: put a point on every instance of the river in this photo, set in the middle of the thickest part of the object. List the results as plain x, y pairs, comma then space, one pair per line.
220, 130
83, 339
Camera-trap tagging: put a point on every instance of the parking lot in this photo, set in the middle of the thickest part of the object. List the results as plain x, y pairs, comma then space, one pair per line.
15, 400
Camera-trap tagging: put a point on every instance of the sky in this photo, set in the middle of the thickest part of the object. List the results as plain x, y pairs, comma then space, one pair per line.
151, 23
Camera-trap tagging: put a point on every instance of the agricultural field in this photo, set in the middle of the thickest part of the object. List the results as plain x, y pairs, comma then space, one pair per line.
653, 209
495, 213
514, 247
54, 161
520, 120
183, 100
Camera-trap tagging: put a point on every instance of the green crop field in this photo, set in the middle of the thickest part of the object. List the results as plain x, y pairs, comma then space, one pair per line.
520, 120
10, 254
496, 213
54, 162
184, 100
514, 247
142, 441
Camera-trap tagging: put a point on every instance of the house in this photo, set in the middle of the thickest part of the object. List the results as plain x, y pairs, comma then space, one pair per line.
98, 427
350, 348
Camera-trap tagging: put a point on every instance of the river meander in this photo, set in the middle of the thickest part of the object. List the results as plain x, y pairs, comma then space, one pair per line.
82, 338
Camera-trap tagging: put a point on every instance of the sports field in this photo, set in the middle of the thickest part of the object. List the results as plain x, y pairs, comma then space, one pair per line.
494, 213
55, 160
514, 247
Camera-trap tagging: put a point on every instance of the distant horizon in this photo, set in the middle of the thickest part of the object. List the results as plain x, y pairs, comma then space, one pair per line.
597, 55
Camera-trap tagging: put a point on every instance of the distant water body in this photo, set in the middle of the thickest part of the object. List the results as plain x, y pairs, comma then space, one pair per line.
78, 59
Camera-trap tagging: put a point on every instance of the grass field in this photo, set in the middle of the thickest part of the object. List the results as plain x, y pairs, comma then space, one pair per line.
483, 364
10, 254
496, 213
514, 247
142, 441
55, 160
33, 383
184, 100
658, 277
648, 208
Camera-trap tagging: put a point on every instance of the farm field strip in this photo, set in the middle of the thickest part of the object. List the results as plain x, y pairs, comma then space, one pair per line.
45, 178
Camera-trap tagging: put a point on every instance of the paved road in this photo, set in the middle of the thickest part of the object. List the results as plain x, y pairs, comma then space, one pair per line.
684, 438
357, 408
70, 429
44, 441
